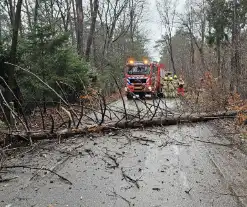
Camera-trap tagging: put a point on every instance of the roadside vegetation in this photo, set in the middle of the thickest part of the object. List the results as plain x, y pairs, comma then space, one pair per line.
63, 60
206, 45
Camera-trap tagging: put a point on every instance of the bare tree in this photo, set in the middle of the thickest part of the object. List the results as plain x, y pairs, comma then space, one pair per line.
195, 23
94, 7
167, 11
109, 16
64, 11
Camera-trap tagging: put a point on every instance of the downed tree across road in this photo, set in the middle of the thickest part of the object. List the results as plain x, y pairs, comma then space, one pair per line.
161, 121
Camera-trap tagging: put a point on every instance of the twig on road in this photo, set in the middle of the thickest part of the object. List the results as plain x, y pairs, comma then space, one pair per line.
38, 168
129, 179
164, 144
188, 191
230, 194
114, 160
117, 195
7, 179
143, 139
214, 143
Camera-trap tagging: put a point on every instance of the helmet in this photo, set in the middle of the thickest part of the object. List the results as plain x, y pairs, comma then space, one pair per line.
166, 78
170, 78
175, 77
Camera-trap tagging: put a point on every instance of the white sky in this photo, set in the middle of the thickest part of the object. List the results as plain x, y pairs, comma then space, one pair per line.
154, 27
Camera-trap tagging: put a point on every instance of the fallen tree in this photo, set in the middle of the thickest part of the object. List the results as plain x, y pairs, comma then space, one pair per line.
161, 121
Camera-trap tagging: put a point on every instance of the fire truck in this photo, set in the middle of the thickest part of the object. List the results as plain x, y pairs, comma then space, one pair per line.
143, 78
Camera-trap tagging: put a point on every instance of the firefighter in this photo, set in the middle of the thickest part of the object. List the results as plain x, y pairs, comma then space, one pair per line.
181, 87
175, 84
171, 88
165, 86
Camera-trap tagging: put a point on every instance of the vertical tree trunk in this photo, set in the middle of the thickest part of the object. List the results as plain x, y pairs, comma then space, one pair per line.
94, 10
203, 28
35, 18
11, 68
11, 12
235, 60
218, 51
132, 12
171, 55
192, 49
28, 14
79, 26
73, 26
94, 52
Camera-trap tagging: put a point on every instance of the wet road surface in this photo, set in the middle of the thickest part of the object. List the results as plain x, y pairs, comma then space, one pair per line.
176, 166
144, 108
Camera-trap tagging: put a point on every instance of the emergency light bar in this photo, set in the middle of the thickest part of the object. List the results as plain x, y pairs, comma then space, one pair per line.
132, 61
145, 61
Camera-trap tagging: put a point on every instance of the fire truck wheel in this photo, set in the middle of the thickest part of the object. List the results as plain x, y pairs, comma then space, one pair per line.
129, 96
141, 95
160, 95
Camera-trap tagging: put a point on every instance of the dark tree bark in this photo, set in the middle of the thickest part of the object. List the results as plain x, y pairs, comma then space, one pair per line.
13, 52
11, 11
235, 60
79, 26
28, 14
35, 18
94, 10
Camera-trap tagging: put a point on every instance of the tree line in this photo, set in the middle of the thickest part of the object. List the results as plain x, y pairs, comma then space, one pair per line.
65, 43
207, 36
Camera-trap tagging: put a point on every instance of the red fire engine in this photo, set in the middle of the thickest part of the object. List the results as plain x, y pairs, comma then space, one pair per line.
143, 78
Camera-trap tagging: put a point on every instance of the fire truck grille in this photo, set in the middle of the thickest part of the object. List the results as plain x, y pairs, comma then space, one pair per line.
138, 80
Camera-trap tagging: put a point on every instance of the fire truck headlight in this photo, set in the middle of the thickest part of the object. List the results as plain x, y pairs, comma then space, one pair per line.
150, 88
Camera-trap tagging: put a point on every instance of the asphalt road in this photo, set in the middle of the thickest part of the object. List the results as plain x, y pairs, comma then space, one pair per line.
177, 166
136, 108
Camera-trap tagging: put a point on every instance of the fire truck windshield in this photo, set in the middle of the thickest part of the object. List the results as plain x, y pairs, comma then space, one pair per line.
138, 70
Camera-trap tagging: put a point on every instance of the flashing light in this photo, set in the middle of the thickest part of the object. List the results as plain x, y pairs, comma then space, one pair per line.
150, 88
145, 61
131, 61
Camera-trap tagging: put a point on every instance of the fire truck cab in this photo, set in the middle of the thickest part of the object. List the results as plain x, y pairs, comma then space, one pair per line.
143, 78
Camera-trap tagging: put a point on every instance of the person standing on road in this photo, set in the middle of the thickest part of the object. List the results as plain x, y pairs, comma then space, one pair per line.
165, 87
170, 87
181, 87
175, 84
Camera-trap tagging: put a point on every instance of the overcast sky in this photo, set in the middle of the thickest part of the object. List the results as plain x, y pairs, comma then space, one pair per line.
154, 27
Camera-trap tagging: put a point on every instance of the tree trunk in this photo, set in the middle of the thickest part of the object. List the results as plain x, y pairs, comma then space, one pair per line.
218, 51
35, 18
94, 10
73, 27
203, 28
132, 13
235, 60
11, 68
165, 121
28, 14
79, 26
171, 55
94, 52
